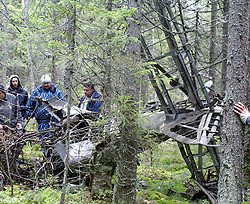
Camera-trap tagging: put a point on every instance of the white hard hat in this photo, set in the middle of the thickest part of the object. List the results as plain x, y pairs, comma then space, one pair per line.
46, 78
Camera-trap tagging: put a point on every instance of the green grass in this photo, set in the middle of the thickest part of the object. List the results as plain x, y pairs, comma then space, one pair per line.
42, 196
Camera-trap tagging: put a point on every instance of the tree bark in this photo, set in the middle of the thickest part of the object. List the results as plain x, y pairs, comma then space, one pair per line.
212, 49
5, 42
107, 88
70, 36
224, 46
231, 167
29, 47
126, 180
55, 38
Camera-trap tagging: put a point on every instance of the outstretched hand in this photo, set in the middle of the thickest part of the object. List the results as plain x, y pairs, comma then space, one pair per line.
242, 111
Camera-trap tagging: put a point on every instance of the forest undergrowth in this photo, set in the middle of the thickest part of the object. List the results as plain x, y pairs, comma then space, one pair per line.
162, 178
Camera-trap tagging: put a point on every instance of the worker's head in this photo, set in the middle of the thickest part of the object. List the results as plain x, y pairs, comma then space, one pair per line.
46, 81
14, 82
88, 89
2, 92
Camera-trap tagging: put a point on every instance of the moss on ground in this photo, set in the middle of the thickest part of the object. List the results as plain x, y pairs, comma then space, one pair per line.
162, 175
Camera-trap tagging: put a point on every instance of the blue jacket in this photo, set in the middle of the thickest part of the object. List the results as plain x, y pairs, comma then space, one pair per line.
41, 114
20, 93
92, 105
248, 121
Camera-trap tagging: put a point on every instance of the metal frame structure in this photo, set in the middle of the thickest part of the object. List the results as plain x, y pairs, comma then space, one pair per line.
199, 117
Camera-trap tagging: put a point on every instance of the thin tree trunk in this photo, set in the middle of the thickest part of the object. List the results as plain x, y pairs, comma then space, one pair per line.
126, 180
53, 63
224, 46
231, 168
5, 43
107, 89
212, 49
70, 32
29, 47
196, 43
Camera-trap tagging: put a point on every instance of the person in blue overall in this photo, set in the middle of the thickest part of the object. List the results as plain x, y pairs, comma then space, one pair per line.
91, 100
44, 91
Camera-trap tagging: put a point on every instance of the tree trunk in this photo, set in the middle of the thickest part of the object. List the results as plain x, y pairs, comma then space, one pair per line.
107, 88
231, 167
126, 180
70, 36
5, 46
212, 50
29, 47
196, 42
55, 37
224, 46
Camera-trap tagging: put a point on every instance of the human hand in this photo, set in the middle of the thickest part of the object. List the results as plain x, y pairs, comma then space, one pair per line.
64, 122
239, 108
19, 126
242, 111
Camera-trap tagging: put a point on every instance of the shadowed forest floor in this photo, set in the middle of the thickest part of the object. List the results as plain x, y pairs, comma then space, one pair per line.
163, 178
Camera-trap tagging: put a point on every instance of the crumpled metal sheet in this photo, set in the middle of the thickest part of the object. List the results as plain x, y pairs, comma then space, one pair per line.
78, 152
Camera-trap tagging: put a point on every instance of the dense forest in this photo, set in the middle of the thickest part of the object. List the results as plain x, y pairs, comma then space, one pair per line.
187, 59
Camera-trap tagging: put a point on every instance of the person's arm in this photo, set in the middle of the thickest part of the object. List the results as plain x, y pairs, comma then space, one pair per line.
248, 121
24, 105
16, 118
18, 113
80, 103
243, 112
26, 97
97, 106
30, 106
59, 94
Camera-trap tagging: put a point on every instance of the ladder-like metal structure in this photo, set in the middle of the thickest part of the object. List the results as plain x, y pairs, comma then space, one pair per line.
196, 115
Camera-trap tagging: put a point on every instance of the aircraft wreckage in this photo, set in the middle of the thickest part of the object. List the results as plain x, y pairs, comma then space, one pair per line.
91, 146
188, 111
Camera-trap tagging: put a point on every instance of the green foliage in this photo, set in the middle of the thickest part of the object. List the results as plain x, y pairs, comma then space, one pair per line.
126, 106
32, 152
